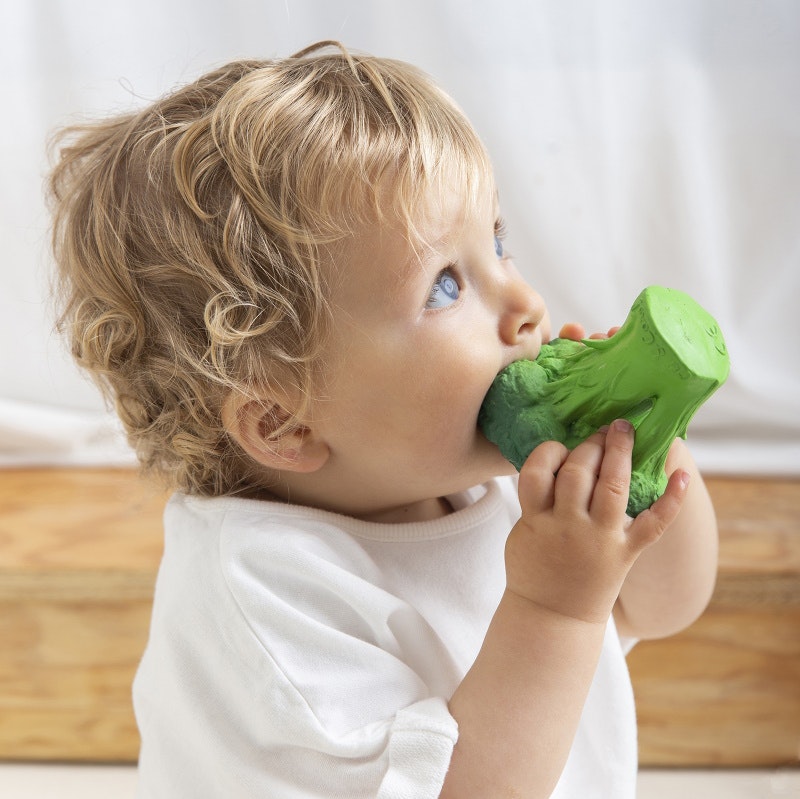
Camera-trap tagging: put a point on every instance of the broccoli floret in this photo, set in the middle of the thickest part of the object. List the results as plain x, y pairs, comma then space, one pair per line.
665, 361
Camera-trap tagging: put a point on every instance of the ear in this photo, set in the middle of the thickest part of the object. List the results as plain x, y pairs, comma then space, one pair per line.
259, 427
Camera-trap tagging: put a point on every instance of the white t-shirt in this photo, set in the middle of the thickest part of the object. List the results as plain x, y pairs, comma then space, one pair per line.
299, 653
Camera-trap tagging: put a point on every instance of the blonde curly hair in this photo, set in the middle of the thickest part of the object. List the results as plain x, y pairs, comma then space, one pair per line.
191, 237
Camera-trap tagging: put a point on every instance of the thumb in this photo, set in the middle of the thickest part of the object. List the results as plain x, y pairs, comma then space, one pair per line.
650, 524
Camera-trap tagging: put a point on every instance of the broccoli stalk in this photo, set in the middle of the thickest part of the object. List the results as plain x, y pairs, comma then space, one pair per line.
664, 362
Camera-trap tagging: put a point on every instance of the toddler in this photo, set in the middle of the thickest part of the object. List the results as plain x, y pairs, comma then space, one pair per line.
290, 279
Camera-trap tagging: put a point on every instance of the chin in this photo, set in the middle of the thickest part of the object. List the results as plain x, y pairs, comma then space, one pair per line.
493, 464
505, 469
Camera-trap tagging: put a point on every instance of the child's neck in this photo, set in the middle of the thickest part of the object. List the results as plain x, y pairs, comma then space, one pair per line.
424, 511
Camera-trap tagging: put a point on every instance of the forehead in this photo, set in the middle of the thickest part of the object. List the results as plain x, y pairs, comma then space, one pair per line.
445, 209
399, 240
383, 258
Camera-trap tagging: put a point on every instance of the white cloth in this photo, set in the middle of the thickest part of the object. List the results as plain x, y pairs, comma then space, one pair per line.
634, 143
298, 653
32, 434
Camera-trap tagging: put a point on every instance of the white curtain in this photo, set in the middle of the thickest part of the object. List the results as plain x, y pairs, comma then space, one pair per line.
635, 142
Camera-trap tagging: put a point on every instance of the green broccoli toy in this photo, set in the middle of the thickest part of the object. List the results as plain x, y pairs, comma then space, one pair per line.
665, 361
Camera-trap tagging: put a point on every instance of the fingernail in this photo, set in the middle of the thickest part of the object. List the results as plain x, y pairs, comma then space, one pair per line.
623, 425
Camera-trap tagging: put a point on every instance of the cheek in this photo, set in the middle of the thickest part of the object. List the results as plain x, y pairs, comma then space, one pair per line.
451, 396
415, 390
432, 402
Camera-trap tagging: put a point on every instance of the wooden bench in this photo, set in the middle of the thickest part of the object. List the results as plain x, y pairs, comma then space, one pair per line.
79, 549
726, 692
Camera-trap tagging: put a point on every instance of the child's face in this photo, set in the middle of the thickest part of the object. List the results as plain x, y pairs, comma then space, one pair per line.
417, 340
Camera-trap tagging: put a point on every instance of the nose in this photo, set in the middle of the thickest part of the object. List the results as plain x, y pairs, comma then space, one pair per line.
523, 312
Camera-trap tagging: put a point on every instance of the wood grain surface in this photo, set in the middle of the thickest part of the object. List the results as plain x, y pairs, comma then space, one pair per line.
79, 550
726, 692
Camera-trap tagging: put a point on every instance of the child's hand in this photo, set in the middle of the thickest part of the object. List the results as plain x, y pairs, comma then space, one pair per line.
572, 549
575, 331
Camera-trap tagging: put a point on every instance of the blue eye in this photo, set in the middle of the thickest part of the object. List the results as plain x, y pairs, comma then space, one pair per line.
445, 290
498, 247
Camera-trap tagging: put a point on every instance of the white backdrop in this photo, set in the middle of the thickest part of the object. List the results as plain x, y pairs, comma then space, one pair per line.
635, 142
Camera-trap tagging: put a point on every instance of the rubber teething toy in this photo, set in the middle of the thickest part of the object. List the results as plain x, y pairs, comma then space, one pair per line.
665, 361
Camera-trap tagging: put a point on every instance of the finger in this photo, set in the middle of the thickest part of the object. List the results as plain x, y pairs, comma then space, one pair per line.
650, 524
611, 332
576, 479
610, 497
572, 330
538, 476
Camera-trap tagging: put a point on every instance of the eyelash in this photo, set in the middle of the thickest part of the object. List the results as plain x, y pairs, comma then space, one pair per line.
499, 238
448, 271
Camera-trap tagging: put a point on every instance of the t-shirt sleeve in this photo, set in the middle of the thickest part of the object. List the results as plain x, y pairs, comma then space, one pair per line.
362, 715
419, 752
